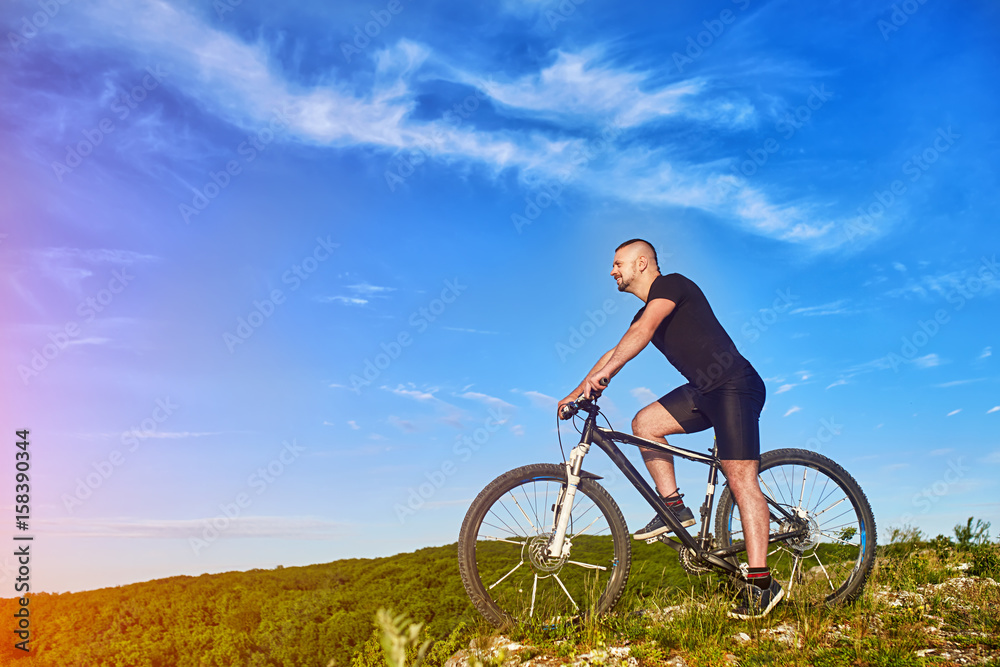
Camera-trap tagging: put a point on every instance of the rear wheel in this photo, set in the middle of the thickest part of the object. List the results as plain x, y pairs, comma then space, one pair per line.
831, 560
502, 549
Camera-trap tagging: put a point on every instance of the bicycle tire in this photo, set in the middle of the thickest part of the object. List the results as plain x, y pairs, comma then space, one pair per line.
594, 579
850, 553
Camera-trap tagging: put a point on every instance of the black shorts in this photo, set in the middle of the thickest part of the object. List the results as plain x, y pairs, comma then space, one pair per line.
733, 409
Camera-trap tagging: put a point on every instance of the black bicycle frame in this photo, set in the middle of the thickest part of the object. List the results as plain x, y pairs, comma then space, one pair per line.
606, 438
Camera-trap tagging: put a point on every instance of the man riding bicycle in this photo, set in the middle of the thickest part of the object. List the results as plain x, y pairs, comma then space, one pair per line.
723, 391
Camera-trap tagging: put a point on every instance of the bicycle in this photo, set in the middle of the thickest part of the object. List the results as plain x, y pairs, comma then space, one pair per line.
514, 562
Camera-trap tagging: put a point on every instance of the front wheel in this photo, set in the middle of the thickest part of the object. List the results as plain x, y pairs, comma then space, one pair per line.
502, 549
829, 561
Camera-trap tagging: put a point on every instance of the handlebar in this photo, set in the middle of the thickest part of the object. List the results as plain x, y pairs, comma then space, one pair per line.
570, 409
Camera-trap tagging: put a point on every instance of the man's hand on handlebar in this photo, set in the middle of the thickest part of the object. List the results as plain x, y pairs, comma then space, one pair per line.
594, 385
565, 409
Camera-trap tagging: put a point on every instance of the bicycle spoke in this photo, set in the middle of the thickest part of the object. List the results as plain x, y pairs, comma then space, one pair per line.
791, 578
505, 526
534, 587
559, 581
588, 565
596, 519
500, 539
832, 587
837, 539
821, 523
523, 512
830, 507
519, 564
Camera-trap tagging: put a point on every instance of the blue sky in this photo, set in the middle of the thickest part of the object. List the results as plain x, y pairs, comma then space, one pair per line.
265, 271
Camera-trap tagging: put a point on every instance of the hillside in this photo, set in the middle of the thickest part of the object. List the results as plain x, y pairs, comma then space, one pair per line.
311, 615
287, 616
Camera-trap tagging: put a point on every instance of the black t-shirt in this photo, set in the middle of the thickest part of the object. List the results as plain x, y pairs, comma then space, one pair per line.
691, 338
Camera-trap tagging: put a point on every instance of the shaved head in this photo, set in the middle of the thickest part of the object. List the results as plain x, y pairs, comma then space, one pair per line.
636, 248
635, 267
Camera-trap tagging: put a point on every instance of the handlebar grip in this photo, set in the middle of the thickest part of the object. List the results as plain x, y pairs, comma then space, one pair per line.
603, 382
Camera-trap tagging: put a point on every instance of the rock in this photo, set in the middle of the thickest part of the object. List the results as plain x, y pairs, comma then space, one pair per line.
742, 637
784, 633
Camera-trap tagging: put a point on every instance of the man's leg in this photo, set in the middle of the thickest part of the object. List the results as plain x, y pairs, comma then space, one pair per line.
754, 514
654, 423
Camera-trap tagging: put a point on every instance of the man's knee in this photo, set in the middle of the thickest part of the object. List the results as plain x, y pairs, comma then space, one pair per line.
637, 425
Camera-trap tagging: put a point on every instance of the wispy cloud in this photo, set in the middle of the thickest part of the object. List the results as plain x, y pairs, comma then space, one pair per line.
956, 383
792, 410
485, 399
832, 308
416, 394
538, 399
940, 452
404, 425
370, 290
839, 383
927, 361
644, 394
475, 331
954, 412
995, 408
785, 387
347, 300
552, 113
987, 352
286, 527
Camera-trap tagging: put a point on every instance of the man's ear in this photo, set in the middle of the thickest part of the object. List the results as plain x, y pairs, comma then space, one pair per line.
641, 263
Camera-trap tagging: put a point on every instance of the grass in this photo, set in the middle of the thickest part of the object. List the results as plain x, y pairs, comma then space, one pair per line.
905, 616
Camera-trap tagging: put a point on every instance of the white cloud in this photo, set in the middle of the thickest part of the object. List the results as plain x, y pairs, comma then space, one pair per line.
577, 84
475, 331
289, 527
995, 408
838, 383
365, 288
785, 387
416, 394
792, 410
404, 425
644, 394
538, 399
927, 361
491, 401
347, 300
954, 412
353, 424
832, 308
956, 383
243, 84
940, 452
987, 352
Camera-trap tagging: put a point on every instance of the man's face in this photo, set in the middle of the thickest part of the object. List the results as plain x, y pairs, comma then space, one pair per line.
623, 269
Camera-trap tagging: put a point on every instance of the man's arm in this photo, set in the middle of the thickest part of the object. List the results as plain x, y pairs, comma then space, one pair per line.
579, 388
632, 343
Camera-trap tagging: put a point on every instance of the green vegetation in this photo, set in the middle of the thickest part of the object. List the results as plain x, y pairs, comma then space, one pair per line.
287, 616
326, 615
